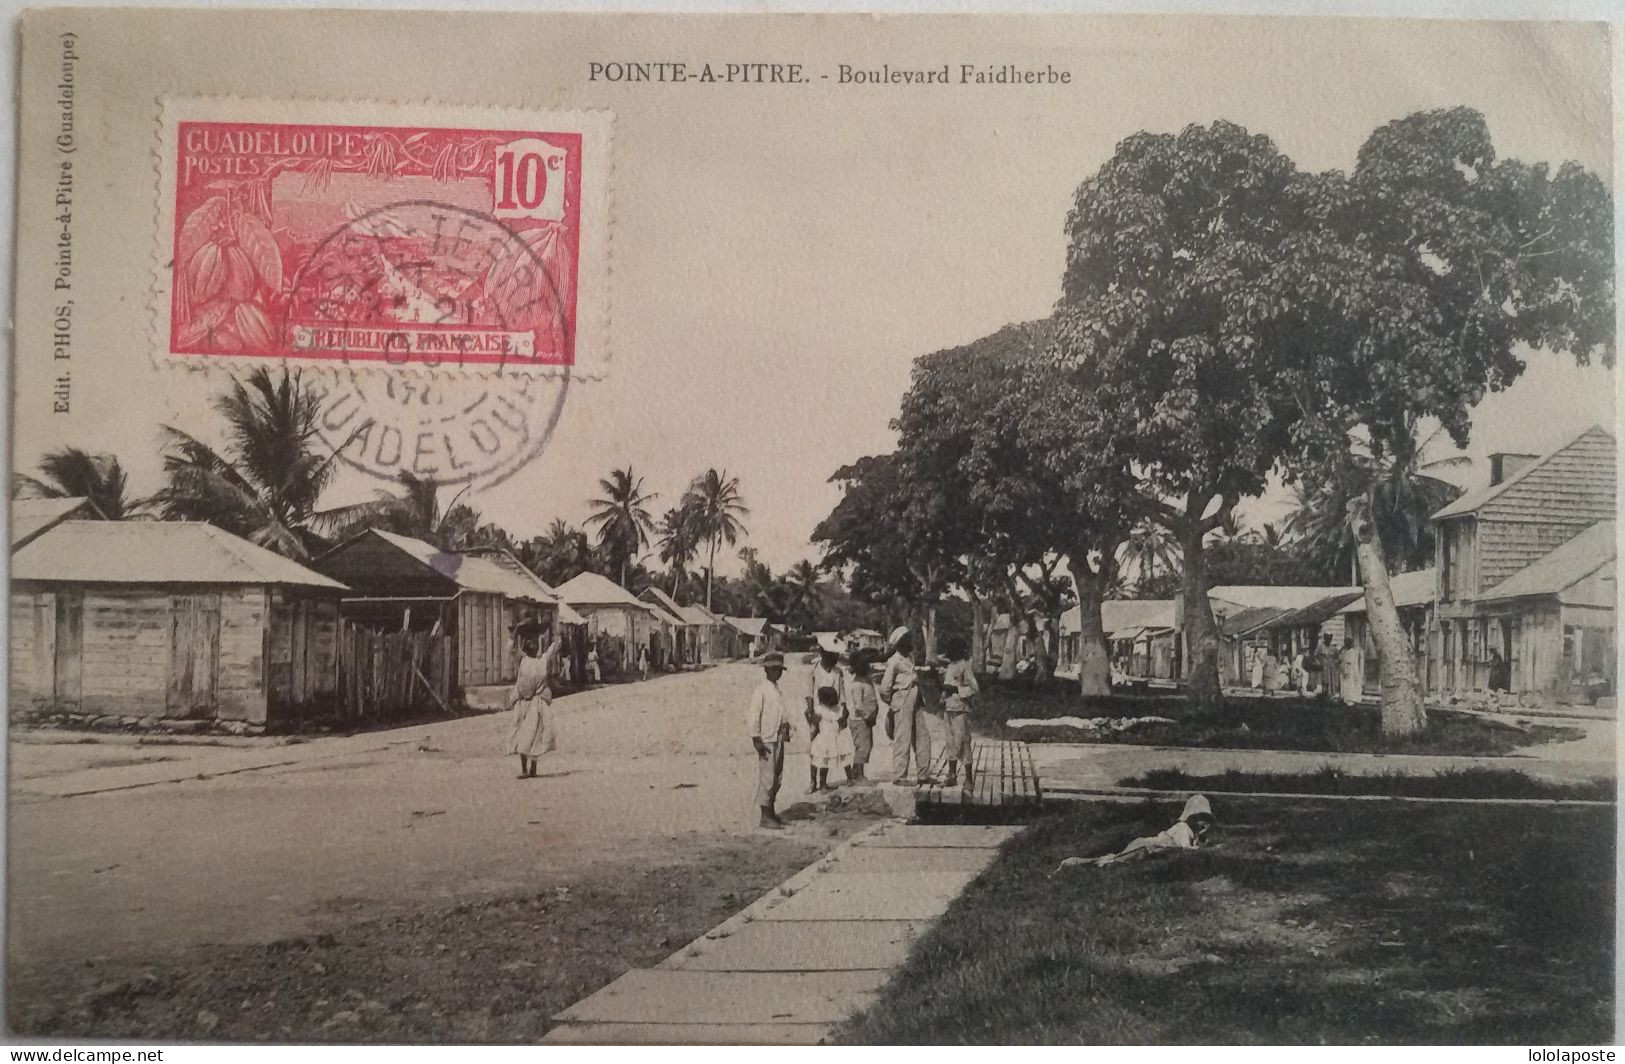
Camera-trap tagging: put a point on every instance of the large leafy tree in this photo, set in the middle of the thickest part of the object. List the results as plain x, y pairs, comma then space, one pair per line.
264, 484
1409, 288
891, 546
72, 473
719, 511
989, 460
1166, 245
622, 516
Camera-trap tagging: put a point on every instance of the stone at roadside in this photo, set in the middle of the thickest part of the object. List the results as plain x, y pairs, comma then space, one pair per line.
183, 727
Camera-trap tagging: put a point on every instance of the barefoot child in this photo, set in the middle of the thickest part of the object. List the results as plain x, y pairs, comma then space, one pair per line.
959, 686
864, 706
828, 731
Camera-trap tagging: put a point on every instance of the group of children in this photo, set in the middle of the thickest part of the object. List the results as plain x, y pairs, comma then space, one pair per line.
923, 705
843, 710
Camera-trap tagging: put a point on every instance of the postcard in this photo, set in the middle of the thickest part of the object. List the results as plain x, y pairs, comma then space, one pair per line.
812, 529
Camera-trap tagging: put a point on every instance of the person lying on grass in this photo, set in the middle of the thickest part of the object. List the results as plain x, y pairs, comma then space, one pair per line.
1186, 834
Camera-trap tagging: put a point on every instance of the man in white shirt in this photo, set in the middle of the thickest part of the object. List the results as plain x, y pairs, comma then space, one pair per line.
768, 723
899, 690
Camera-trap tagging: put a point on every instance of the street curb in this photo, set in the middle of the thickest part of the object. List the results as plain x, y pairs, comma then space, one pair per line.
1084, 794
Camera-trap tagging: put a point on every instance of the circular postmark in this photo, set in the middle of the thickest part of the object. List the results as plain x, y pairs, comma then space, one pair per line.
437, 326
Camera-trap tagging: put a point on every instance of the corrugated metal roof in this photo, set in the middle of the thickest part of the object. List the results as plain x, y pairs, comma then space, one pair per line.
156, 552
1283, 596
751, 626
699, 616
30, 517
1318, 612
591, 589
471, 570
667, 606
1592, 465
1409, 589
1250, 619
1120, 614
1563, 567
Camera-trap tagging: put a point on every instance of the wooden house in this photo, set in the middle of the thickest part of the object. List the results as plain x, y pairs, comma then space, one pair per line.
168, 619
1139, 639
1414, 596
757, 635
398, 583
618, 622
1525, 569
674, 646
712, 639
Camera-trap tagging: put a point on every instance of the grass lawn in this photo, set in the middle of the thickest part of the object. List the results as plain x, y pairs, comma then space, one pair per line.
1451, 783
1302, 923
1244, 724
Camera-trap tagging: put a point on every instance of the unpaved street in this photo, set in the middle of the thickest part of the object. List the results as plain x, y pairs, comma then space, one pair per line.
123, 853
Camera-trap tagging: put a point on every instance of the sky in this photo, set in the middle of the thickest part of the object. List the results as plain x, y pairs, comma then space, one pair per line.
780, 256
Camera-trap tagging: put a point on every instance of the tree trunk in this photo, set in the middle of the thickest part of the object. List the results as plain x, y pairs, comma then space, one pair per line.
1094, 658
1012, 651
712, 568
978, 638
930, 632
1402, 711
1200, 634
1040, 638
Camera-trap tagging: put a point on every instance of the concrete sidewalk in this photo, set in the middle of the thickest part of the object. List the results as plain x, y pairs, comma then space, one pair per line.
788, 969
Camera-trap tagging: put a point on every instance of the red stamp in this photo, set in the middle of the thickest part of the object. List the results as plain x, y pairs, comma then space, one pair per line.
366, 242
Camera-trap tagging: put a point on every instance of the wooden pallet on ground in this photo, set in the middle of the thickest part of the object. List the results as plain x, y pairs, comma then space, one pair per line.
1001, 774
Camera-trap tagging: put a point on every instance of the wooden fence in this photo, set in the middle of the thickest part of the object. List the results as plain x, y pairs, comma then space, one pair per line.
385, 675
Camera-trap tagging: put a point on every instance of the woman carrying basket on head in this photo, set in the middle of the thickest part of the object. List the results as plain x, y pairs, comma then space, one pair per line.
532, 696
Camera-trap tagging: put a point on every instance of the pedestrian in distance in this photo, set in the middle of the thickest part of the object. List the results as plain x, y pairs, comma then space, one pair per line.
1329, 671
959, 688
1350, 682
593, 672
899, 692
768, 723
643, 661
531, 697
1272, 672
863, 709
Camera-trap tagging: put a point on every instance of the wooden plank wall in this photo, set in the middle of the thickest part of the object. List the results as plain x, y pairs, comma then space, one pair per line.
381, 675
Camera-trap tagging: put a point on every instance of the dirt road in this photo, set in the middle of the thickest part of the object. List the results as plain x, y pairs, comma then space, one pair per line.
124, 853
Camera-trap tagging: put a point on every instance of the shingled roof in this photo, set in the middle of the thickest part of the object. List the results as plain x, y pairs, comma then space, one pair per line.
1574, 483
1564, 567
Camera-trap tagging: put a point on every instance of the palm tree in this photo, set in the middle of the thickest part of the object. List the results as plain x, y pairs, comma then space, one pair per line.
678, 542
718, 507
801, 592
562, 552
1149, 545
71, 473
264, 484
1402, 497
413, 511
622, 518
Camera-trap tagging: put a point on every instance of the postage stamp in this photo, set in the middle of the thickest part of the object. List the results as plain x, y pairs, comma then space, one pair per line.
466, 239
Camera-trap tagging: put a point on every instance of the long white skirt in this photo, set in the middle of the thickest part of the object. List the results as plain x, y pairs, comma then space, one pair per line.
532, 730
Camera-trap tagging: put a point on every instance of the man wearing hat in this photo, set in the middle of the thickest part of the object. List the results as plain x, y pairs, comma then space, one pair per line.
900, 691
768, 722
